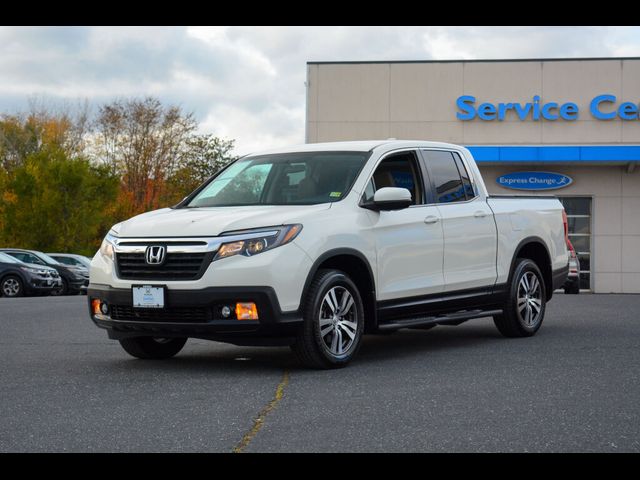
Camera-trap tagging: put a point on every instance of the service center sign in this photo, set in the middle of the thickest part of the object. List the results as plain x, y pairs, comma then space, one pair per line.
601, 107
534, 180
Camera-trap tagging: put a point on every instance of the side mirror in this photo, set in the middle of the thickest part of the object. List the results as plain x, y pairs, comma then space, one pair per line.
390, 198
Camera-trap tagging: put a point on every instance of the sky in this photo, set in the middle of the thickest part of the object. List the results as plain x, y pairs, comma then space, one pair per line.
248, 83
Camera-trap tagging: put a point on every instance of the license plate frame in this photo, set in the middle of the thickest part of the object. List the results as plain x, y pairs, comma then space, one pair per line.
148, 296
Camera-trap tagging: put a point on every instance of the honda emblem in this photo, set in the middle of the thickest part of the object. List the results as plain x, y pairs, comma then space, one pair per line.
155, 255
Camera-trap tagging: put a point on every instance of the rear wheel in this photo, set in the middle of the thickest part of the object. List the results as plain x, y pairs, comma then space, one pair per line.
11, 286
524, 309
333, 322
152, 347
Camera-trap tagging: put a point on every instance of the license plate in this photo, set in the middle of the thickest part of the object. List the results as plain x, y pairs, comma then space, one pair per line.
148, 297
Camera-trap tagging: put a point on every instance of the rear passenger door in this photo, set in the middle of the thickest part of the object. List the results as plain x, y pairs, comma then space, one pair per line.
469, 259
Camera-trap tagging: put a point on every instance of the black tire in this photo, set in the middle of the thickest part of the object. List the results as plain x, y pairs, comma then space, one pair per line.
310, 346
151, 348
62, 290
572, 290
512, 323
12, 286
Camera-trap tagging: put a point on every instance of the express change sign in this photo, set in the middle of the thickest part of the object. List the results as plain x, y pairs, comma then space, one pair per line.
534, 180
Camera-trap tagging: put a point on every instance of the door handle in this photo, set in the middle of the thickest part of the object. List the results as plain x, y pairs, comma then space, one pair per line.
431, 219
480, 214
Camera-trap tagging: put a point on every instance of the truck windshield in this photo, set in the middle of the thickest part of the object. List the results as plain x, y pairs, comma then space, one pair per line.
283, 179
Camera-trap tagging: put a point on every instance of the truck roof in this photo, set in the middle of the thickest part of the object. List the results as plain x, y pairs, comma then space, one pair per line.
358, 146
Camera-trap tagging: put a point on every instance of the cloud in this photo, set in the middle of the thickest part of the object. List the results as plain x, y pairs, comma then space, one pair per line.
247, 83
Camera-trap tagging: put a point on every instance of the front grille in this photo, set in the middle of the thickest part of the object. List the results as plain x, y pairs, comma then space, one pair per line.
167, 314
177, 266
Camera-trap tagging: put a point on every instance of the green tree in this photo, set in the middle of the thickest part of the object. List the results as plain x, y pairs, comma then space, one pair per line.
203, 156
53, 202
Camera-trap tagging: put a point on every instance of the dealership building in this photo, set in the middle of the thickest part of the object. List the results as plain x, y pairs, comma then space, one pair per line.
567, 127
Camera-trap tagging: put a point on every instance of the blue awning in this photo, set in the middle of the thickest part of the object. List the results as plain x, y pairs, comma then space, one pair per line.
555, 154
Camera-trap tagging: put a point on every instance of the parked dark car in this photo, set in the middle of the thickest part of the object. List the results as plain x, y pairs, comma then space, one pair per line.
572, 284
80, 262
72, 259
18, 278
72, 278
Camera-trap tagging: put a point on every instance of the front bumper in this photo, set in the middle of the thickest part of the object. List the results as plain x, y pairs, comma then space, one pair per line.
41, 284
196, 313
78, 284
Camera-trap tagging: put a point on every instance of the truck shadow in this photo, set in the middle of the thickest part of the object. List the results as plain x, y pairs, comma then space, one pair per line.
403, 344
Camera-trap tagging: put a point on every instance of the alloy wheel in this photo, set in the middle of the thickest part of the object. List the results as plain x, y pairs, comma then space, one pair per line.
11, 287
529, 299
338, 323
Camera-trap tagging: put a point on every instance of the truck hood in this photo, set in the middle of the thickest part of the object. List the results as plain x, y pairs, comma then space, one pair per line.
212, 221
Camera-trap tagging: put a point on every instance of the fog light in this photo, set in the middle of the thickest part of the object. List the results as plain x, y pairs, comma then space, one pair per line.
95, 306
225, 311
104, 308
246, 311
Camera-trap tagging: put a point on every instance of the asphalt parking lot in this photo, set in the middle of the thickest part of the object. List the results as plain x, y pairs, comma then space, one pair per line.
573, 387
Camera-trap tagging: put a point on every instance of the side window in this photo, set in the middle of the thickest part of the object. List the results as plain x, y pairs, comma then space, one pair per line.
33, 259
401, 171
369, 190
448, 183
469, 189
20, 256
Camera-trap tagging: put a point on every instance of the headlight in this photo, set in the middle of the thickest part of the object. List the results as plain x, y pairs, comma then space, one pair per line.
252, 242
36, 271
106, 249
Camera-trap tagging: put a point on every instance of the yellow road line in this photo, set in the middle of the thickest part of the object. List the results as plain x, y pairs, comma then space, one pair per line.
259, 421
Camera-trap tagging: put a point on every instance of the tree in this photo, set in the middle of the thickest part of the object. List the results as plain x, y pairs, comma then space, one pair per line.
42, 126
64, 180
142, 141
203, 156
53, 202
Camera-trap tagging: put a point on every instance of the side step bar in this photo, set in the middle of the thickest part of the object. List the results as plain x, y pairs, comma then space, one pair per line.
450, 319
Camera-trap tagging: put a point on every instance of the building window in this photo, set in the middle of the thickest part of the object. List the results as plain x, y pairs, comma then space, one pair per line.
579, 218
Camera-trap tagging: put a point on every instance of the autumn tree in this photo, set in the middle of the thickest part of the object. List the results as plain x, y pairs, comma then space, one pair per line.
142, 141
64, 180
51, 195
64, 127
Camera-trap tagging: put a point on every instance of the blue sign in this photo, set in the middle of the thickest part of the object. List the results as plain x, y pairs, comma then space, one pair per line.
534, 180
602, 107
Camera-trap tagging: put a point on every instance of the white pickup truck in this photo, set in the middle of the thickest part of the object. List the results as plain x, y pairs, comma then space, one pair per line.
314, 246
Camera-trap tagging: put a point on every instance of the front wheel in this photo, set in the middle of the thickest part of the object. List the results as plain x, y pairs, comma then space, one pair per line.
63, 289
12, 286
333, 321
152, 347
524, 308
